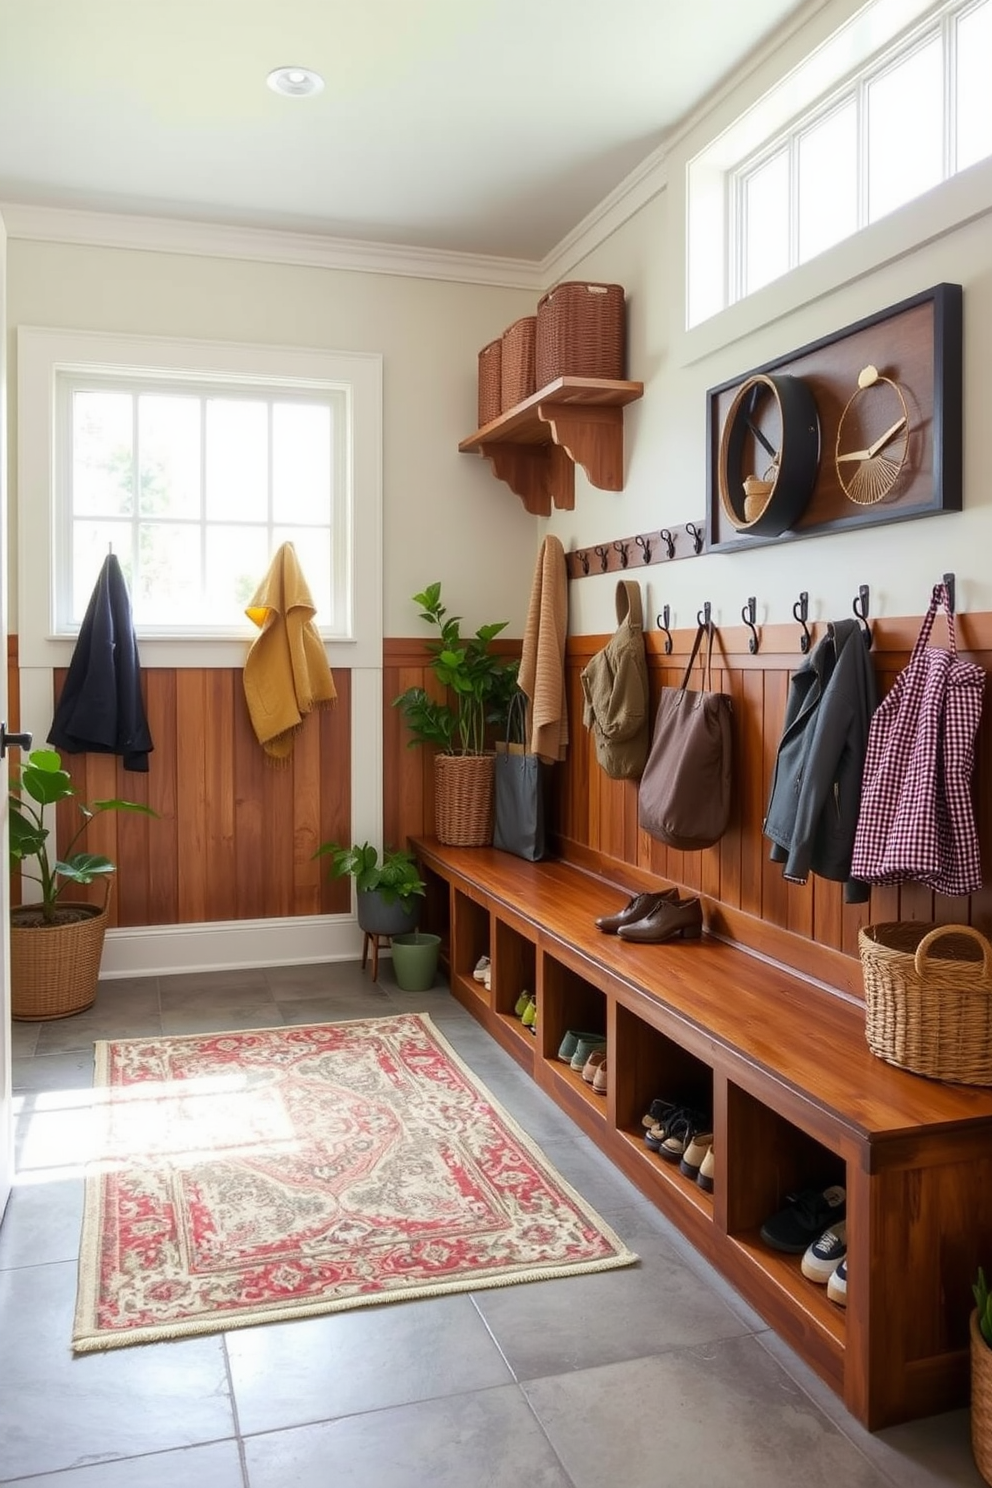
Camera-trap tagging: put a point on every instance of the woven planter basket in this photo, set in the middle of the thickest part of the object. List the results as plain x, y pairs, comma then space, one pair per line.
464, 793
54, 968
581, 332
928, 998
981, 1401
517, 371
490, 382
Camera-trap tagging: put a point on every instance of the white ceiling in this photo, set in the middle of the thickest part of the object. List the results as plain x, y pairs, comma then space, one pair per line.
476, 126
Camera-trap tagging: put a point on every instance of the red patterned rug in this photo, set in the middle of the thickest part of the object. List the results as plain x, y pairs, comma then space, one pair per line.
285, 1172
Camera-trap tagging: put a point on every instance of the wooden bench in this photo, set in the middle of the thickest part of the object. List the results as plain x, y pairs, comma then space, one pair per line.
797, 1098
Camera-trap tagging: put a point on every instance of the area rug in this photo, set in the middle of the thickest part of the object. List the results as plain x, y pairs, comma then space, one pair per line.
258, 1176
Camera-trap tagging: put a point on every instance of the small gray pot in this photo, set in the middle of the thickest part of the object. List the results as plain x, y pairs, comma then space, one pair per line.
376, 917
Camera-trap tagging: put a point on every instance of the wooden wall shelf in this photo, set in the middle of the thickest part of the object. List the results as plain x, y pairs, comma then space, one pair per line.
535, 446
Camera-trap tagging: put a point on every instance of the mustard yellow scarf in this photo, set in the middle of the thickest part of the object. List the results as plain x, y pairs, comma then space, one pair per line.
286, 671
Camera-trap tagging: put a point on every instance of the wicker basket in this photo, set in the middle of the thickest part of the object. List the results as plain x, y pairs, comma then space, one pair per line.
981, 1401
517, 372
490, 384
464, 793
581, 332
928, 999
54, 968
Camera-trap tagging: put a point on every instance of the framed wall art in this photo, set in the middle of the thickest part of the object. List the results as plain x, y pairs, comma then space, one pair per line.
859, 428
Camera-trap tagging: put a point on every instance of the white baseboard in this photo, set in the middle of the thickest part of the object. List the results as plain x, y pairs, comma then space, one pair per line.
229, 945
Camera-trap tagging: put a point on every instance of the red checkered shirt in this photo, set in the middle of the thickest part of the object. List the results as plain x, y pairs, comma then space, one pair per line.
917, 818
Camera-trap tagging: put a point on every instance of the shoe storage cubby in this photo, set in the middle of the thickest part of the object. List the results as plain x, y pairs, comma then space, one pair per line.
514, 974
797, 1099
651, 1066
470, 939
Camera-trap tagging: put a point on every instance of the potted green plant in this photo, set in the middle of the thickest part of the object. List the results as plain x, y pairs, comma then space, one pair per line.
388, 891
55, 943
478, 683
981, 1377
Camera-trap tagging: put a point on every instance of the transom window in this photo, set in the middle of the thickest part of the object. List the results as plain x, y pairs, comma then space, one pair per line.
194, 488
774, 191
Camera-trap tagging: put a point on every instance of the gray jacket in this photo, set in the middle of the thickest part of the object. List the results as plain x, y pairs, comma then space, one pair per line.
816, 788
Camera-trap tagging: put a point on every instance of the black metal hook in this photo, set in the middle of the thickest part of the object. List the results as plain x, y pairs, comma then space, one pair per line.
861, 598
583, 557
697, 534
663, 621
749, 615
621, 547
668, 540
644, 543
703, 616
800, 611
603, 554
949, 591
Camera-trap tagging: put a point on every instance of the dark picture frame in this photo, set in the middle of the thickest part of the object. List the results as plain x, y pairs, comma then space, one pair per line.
917, 342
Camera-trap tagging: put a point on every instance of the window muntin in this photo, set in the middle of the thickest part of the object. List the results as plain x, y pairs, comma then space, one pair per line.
224, 476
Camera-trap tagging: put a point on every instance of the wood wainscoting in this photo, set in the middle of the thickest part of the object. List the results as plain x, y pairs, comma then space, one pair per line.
235, 834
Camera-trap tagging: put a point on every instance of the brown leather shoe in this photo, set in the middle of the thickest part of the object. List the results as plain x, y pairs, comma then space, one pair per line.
638, 907
685, 918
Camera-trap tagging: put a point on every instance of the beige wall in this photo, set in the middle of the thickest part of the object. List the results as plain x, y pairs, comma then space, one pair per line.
444, 515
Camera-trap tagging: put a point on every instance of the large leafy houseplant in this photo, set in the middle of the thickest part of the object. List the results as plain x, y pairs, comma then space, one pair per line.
388, 891
39, 783
479, 683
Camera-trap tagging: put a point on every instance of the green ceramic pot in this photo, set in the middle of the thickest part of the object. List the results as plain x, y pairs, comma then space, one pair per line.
415, 960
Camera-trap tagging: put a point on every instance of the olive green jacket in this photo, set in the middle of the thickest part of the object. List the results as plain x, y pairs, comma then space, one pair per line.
615, 687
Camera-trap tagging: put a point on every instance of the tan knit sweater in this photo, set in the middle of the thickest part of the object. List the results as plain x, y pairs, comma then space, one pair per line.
542, 663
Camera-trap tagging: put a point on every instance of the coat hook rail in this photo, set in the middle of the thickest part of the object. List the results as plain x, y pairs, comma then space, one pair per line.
749, 614
664, 622
661, 546
861, 609
800, 611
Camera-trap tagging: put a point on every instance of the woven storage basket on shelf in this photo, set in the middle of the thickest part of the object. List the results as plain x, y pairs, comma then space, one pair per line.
928, 998
981, 1401
581, 332
490, 383
464, 794
517, 372
54, 968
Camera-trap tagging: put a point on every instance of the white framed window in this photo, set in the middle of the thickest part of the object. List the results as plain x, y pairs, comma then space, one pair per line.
194, 488
888, 108
194, 461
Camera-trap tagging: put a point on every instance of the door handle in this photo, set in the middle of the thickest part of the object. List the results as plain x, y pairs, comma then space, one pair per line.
15, 741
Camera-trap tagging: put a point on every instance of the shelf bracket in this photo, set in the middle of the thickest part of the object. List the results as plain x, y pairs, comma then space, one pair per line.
592, 437
540, 474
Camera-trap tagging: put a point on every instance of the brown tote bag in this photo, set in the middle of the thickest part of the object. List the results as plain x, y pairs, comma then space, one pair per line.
684, 795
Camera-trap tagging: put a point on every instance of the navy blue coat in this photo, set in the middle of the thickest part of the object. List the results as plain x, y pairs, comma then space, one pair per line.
101, 710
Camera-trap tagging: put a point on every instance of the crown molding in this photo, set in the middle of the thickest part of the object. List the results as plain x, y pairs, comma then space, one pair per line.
643, 183
216, 240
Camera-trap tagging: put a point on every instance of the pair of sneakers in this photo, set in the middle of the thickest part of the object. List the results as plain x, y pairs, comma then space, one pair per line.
482, 971
825, 1262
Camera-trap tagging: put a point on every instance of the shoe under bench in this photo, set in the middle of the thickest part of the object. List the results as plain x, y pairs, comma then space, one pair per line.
797, 1099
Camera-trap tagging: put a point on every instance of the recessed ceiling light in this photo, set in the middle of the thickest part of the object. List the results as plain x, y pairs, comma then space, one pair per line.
295, 82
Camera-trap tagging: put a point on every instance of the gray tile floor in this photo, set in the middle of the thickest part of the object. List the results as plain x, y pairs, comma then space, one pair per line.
642, 1378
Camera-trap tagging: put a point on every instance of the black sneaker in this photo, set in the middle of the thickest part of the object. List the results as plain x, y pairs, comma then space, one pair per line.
806, 1216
